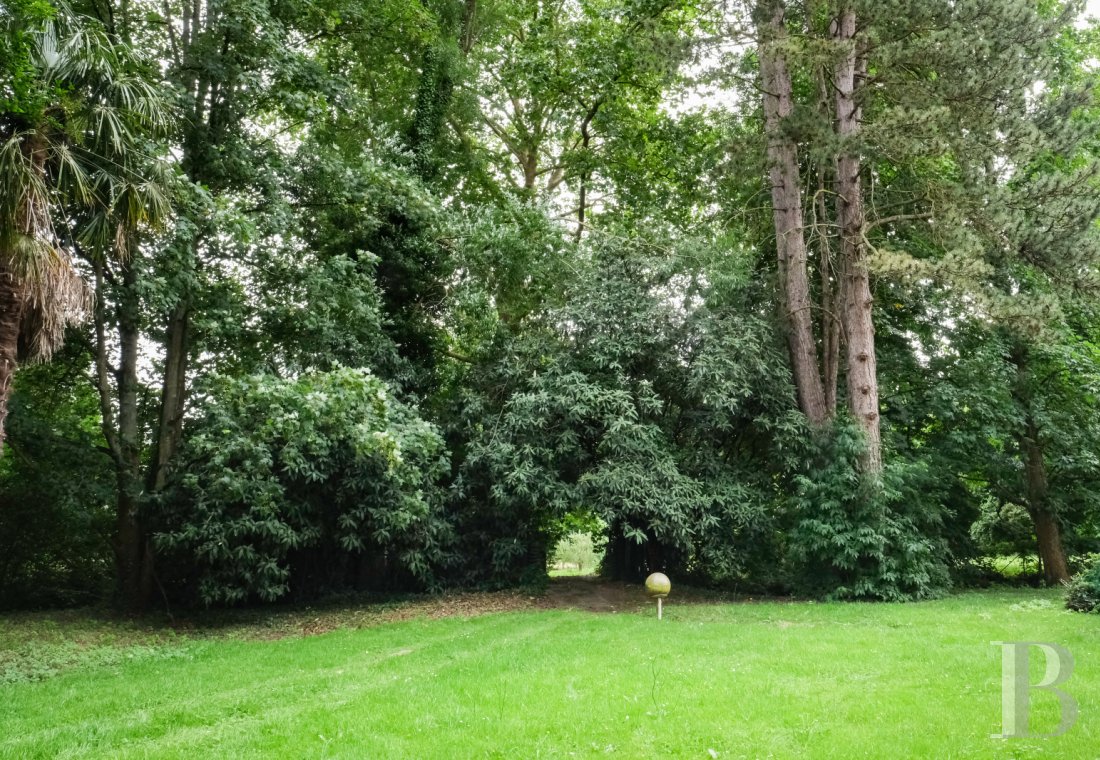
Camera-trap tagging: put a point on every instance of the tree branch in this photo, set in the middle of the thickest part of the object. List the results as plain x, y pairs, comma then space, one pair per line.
897, 218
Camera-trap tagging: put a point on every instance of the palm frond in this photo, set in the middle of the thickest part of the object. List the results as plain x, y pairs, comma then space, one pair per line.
82, 163
72, 174
55, 296
23, 189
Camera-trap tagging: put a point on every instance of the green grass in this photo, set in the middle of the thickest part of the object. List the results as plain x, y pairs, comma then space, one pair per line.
754, 680
1013, 566
570, 572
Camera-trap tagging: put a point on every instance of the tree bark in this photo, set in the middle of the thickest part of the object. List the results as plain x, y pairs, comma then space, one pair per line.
173, 396
32, 221
129, 431
1049, 535
830, 297
1052, 555
437, 84
11, 317
856, 312
133, 558
469, 26
831, 278
134, 555
582, 192
786, 193
133, 561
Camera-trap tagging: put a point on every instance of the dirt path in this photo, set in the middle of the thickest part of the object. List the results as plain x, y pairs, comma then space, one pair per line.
585, 593
592, 594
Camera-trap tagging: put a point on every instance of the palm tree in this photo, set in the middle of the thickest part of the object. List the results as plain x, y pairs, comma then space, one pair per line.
73, 164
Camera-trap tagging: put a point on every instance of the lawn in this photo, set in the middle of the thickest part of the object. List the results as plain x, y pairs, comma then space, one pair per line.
570, 572
746, 680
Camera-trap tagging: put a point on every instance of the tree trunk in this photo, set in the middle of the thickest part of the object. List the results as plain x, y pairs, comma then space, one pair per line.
529, 162
173, 396
830, 297
135, 576
134, 555
1049, 535
133, 559
32, 221
1051, 553
11, 317
582, 192
831, 279
129, 430
133, 562
1052, 556
856, 311
786, 193
437, 84
469, 26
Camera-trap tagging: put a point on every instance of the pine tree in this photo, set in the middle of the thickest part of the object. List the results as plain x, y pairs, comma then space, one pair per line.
941, 115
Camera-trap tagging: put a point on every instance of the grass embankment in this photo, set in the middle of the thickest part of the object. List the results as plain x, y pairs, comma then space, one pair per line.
747, 680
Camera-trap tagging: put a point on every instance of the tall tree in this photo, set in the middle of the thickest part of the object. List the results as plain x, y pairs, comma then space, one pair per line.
928, 118
856, 300
74, 132
787, 207
225, 63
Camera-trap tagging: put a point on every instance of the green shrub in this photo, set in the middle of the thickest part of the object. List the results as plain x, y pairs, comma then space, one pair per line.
56, 489
650, 398
855, 538
1083, 594
1003, 529
312, 485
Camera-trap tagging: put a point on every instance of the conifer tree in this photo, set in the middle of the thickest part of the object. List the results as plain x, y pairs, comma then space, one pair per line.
942, 115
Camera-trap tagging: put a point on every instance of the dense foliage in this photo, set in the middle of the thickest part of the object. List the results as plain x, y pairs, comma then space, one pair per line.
649, 398
55, 532
1083, 593
321, 483
394, 295
853, 540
